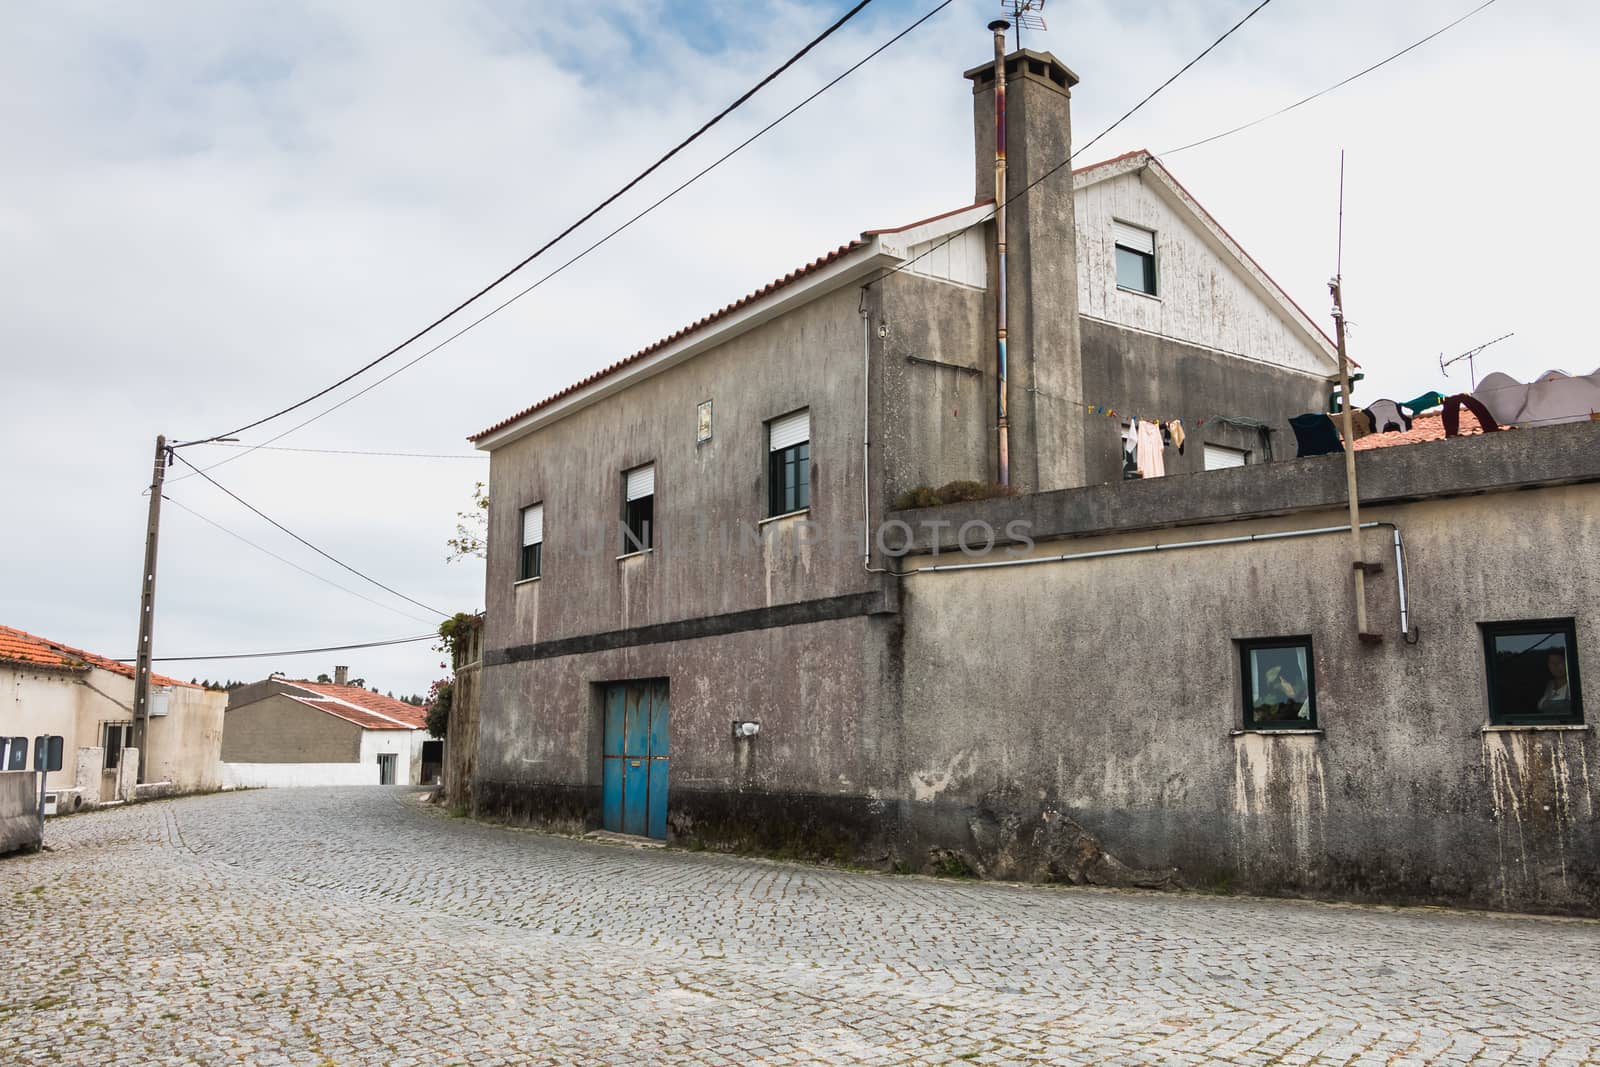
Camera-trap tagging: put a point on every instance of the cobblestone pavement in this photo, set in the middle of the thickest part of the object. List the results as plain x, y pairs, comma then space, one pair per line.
322, 926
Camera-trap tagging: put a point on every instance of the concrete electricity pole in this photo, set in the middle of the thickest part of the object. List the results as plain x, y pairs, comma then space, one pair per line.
147, 606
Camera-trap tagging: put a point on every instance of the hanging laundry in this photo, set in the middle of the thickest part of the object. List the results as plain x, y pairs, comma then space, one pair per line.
1176, 426
1388, 418
1452, 414
1418, 405
1130, 446
1151, 464
1360, 422
1314, 433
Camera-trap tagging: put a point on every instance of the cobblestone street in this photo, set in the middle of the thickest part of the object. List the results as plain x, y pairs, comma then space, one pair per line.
358, 927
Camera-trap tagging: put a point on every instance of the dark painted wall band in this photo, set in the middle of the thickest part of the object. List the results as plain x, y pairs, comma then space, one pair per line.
806, 611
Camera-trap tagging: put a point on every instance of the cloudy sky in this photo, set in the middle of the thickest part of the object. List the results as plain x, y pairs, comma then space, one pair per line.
207, 211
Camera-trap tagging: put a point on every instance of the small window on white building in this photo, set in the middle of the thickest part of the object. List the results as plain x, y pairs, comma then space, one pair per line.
638, 508
531, 564
1136, 258
1219, 457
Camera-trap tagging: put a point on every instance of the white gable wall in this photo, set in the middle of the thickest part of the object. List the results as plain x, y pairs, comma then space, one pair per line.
1203, 297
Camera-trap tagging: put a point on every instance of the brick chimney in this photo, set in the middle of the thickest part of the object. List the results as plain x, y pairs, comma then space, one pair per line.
1045, 362
341, 676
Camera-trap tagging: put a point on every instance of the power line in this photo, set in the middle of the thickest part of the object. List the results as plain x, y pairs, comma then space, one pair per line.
597, 244
353, 451
291, 652
591, 213
1337, 85
1091, 143
281, 559
303, 541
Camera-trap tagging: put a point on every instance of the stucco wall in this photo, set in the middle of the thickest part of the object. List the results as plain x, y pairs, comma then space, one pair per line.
809, 780
19, 811
1107, 691
184, 745
1203, 297
278, 729
808, 358
1151, 377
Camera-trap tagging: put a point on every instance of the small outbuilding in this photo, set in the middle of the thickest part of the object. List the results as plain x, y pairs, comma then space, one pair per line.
289, 732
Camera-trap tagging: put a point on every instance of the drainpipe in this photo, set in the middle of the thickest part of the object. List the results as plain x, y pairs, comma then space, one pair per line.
999, 26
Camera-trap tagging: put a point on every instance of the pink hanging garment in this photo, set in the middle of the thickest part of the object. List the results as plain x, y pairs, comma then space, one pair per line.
1150, 444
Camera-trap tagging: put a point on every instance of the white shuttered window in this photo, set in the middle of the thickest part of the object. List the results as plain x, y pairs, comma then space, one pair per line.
1134, 238
1220, 458
533, 525
640, 482
789, 431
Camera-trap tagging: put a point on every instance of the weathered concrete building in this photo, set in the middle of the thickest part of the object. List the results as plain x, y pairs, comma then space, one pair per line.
701, 622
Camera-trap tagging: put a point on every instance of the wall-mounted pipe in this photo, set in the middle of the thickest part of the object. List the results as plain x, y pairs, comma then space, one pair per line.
1067, 557
1003, 427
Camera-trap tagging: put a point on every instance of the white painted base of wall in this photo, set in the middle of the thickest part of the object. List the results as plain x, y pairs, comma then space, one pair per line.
275, 775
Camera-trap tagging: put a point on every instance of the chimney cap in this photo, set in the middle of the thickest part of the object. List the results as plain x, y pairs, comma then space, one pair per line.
999, 24
1041, 67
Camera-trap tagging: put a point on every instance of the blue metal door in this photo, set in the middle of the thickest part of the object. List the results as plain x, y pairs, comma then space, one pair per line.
634, 759
611, 760
657, 821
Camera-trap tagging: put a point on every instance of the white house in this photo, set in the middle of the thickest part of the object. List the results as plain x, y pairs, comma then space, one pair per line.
286, 732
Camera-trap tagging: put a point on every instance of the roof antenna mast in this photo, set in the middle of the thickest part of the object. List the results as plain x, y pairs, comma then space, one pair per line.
1470, 355
1024, 13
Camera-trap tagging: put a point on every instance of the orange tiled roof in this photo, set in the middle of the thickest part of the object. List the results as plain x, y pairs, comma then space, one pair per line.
369, 710
19, 646
1423, 428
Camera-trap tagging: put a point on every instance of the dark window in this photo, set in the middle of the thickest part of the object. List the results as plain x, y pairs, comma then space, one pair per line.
17, 754
1136, 270
638, 521
1279, 682
789, 479
532, 542
1533, 672
114, 736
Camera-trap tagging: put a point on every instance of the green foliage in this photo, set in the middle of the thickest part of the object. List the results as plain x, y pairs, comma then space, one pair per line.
943, 863
440, 697
955, 492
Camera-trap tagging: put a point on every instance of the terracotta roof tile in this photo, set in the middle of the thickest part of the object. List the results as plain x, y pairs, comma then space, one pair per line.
372, 711
1423, 428
19, 646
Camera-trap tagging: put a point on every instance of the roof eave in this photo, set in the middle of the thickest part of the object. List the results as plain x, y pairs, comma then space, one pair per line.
873, 255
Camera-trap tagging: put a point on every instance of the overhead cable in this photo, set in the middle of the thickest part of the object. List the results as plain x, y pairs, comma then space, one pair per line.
597, 244
303, 541
1336, 85
1091, 143
641, 176
291, 652
282, 559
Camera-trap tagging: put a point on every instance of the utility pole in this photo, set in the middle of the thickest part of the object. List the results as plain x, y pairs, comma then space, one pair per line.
1358, 561
147, 607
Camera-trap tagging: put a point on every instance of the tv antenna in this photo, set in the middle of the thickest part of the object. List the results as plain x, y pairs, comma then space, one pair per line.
1025, 13
1470, 355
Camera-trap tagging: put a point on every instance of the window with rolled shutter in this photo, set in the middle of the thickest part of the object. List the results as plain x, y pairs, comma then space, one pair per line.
1220, 458
1136, 258
531, 561
638, 509
789, 463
